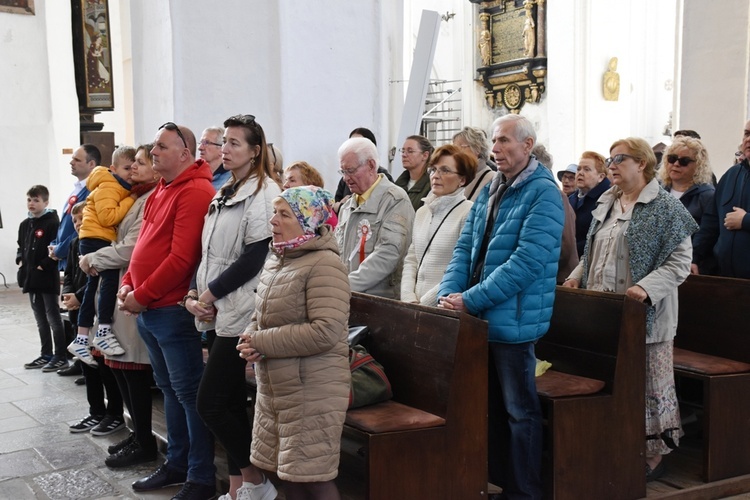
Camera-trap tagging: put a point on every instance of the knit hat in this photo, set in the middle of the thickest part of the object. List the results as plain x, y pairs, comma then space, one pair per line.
311, 205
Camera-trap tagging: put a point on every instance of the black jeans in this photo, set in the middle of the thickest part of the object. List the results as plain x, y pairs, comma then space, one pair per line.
222, 402
97, 380
109, 279
46, 308
135, 387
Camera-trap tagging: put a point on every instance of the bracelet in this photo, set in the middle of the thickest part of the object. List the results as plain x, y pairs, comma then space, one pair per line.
185, 299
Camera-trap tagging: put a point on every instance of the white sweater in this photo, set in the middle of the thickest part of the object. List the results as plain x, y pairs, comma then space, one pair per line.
420, 285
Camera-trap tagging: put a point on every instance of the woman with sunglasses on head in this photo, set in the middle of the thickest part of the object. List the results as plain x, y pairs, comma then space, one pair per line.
414, 179
437, 225
686, 175
639, 244
235, 240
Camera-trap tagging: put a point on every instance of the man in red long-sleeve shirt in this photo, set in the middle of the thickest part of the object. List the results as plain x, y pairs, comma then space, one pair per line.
163, 261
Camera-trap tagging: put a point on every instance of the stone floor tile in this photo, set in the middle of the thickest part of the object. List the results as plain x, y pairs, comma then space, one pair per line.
8, 410
37, 436
52, 411
21, 463
17, 423
17, 489
20, 393
74, 484
74, 453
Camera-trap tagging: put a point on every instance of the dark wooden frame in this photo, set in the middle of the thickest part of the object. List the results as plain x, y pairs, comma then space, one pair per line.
18, 6
90, 21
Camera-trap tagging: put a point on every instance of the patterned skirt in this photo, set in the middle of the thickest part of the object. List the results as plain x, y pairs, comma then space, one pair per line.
662, 409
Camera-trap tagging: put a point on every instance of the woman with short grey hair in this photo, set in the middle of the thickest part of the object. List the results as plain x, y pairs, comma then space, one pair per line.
473, 141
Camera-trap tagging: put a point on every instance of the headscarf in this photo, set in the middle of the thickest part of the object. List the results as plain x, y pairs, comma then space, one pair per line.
312, 206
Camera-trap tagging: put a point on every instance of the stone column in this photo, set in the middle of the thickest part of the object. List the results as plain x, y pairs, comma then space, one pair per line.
541, 29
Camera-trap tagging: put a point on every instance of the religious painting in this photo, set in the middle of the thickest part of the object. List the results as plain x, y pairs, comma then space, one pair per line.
17, 6
94, 57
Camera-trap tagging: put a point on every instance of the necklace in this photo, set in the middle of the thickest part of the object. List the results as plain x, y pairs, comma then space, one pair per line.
624, 205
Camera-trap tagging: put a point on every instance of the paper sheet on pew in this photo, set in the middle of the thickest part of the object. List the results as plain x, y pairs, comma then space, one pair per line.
541, 367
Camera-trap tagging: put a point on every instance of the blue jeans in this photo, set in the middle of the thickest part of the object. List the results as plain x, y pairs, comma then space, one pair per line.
515, 421
174, 347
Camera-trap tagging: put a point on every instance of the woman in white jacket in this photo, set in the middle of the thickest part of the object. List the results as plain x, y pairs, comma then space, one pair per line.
235, 240
437, 225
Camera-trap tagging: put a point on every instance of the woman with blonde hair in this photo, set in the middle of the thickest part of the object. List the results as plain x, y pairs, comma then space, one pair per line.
301, 173
686, 175
639, 245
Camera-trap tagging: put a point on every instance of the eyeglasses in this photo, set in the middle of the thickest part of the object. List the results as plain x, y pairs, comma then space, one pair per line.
173, 127
205, 143
410, 151
617, 159
442, 171
350, 171
684, 161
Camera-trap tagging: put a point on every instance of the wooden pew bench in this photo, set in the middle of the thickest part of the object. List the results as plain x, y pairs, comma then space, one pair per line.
430, 440
593, 396
712, 347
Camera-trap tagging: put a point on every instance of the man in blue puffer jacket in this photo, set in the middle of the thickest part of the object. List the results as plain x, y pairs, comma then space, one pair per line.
506, 276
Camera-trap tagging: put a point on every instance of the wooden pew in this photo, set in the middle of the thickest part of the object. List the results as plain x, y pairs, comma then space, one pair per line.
593, 397
712, 346
430, 441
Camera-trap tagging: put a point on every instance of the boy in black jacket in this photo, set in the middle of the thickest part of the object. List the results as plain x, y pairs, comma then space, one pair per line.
39, 277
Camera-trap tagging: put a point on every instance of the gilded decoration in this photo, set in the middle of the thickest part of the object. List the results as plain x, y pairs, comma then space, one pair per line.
511, 51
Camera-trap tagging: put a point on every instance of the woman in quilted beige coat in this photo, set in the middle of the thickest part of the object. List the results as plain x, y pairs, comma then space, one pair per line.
298, 341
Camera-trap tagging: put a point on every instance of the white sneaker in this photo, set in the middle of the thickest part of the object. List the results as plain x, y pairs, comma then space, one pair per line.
80, 349
262, 491
106, 342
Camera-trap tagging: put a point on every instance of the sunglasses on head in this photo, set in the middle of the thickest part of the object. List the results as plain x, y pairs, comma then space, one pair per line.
172, 126
684, 161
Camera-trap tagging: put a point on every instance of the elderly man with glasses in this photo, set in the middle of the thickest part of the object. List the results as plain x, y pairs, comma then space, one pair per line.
374, 228
209, 150
158, 278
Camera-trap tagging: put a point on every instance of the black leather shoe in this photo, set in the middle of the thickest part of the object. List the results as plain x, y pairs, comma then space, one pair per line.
72, 369
195, 491
160, 478
132, 454
114, 448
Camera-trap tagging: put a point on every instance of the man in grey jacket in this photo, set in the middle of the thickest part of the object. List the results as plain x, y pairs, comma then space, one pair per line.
374, 228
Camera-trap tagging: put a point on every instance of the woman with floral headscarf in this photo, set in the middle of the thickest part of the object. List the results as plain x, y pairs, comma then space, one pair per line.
298, 341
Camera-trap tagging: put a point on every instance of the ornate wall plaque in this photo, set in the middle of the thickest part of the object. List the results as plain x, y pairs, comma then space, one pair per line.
512, 51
